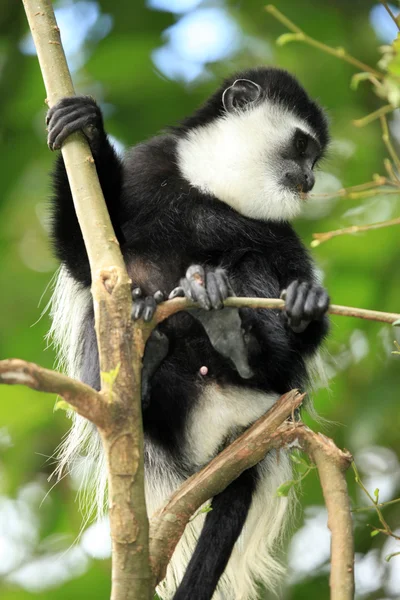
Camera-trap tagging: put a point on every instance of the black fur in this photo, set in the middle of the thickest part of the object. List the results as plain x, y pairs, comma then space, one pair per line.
164, 226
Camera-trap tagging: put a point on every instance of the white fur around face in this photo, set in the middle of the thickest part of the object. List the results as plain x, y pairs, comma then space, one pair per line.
236, 159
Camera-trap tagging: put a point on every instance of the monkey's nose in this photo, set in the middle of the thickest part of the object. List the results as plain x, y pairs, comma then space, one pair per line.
300, 180
308, 181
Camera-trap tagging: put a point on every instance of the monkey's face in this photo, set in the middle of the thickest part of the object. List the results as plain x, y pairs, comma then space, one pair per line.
258, 156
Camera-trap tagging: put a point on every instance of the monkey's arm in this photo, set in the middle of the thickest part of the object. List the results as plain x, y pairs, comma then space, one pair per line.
68, 116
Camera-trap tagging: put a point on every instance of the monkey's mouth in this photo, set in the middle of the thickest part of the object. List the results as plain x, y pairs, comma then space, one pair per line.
303, 195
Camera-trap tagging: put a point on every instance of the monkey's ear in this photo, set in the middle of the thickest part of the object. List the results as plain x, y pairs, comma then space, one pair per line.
240, 94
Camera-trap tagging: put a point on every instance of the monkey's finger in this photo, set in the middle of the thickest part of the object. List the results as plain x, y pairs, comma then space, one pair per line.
310, 306
196, 280
64, 128
136, 293
149, 308
158, 296
224, 286
214, 291
291, 295
70, 103
296, 313
198, 293
177, 292
323, 301
137, 309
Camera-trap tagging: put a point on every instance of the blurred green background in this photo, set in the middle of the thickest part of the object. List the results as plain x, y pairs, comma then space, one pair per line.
149, 64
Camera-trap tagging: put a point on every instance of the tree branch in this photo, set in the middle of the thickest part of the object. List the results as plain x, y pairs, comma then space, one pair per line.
119, 355
332, 464
82, 398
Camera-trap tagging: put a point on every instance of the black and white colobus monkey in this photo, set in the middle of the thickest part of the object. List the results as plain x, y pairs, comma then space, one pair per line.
205, 208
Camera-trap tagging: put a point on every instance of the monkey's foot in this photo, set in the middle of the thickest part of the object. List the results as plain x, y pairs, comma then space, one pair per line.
144, 307
305, 302
208, 288
71, 114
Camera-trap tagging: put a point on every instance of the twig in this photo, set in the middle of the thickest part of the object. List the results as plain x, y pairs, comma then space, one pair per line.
319, 238
385, 4
383, 110
84, 399
166, 309
303, 37
168, 524
388, 143
376, 505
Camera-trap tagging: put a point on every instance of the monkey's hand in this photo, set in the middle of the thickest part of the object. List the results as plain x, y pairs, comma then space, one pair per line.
224, 329
71, 114
209, 289
305, 302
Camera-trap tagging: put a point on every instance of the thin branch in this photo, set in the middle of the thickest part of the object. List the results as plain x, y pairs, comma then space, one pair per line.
388, 143
362, 190
168, 524
84, 399
368, 193
389, 170
332, 464
85, 187
319, 238
385, 4
380, 112
166, 309
377, 506
303, 37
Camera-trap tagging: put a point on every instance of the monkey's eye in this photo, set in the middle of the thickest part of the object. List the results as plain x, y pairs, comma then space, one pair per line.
301, 144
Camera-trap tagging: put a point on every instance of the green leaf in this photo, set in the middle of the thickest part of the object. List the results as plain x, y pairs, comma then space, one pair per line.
63, 405
205, 509
374, 533
376, 494
284, 489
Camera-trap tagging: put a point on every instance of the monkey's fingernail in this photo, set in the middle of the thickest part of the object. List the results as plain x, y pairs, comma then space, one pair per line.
136, 292
148, 314
158, 296
178, 291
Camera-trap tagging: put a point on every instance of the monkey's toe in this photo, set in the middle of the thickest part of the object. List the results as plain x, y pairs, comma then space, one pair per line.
144, 307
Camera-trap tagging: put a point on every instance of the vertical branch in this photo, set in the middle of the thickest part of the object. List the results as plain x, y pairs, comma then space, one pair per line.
123, 437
